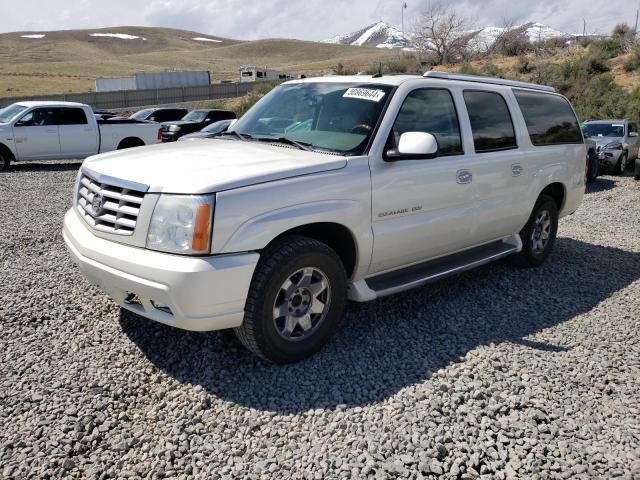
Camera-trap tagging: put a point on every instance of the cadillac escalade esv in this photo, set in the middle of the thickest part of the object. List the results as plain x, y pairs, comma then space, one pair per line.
328, 189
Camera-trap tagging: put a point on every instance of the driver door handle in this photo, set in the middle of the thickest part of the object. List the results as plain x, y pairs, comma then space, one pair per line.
464, 177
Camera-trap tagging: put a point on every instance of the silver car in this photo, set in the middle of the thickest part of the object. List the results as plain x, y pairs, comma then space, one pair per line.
616, 142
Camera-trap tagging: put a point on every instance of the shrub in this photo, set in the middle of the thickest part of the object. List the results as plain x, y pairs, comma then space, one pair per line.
633, 63
250, 99
388, 67
525, 67
607, 48
340, 69
490, 69
469, 69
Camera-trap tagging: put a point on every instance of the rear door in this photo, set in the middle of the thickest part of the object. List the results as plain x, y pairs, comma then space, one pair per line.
498, 172
633, 140
78, 137
36, 135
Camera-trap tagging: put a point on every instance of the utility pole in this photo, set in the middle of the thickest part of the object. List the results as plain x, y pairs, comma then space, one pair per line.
584, 28
404, 7
635, 30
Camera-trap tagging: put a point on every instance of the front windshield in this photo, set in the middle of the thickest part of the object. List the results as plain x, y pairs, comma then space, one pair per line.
142, 114
195, 116
9, 113
338, 117
603, 129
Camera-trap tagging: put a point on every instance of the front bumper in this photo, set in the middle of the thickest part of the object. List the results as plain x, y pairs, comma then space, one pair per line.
193, 293
170, 137
609, 158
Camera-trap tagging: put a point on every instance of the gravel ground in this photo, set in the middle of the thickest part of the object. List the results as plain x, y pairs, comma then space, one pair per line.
499, 373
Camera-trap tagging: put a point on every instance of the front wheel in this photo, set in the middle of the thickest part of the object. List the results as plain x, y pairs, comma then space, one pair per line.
539, 234
621, 165
295, 301
593, 168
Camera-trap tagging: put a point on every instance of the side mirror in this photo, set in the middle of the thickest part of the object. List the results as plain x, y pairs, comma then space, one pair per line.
414, 146
20, 124
633, 134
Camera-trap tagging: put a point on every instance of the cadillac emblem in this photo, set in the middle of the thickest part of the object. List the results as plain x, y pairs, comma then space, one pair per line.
96, 203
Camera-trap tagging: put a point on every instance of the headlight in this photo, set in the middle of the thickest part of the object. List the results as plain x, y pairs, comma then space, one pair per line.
181, 224
613, 146
76, 186
175, 128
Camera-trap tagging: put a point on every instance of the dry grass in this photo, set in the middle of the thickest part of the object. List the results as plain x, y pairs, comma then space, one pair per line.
70, 61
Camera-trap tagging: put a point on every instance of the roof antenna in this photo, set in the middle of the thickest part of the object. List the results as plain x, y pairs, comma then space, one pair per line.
379, 74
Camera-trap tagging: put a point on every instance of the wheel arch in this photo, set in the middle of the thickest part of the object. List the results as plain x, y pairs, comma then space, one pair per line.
337, 236
130, 142
557, 191
5, 150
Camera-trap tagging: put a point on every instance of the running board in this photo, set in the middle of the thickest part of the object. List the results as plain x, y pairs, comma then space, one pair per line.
432, 271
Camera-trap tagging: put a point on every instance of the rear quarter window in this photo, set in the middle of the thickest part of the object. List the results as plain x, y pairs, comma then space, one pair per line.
550, 119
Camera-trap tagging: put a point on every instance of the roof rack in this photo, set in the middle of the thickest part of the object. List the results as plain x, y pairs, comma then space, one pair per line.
492, 80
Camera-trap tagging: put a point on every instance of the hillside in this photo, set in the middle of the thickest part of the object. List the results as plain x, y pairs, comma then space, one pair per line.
33, 63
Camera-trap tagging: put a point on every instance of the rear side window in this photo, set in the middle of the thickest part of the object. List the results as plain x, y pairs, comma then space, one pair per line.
71, 116
432, 111
549, 118
491, 122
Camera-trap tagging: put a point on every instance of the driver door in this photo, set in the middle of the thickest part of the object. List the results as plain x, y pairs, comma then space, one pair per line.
422, 209
36, 135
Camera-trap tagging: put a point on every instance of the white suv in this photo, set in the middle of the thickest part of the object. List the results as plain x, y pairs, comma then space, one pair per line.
328, 189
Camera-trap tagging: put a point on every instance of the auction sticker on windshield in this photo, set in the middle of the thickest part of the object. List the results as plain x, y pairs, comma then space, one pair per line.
365, 94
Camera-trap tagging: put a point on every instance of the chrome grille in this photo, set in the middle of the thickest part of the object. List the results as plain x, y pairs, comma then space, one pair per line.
118, 207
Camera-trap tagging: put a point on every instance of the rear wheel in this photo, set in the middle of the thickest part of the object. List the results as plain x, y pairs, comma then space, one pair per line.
4, 162
539, 234
295, 301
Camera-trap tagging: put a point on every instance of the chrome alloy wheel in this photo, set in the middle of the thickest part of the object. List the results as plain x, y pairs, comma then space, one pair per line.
302, 304
541, 232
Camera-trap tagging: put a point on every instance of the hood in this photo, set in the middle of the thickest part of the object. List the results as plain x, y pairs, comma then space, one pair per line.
603, 141
180, 122
197, 135
206, 165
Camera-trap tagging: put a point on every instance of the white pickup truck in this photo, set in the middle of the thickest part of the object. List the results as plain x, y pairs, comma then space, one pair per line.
327, 189
62, 130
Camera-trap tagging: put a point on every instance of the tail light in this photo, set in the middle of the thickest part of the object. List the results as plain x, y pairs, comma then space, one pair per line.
160, 134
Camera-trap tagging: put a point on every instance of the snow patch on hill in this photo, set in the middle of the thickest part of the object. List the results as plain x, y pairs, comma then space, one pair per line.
34, 35
203, 39
122, 36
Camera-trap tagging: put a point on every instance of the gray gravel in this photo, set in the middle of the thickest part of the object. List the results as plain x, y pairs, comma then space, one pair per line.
499, 373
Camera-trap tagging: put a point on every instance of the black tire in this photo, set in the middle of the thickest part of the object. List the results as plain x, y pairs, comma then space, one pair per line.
130, 143
530, 256
278, 264
593, 169
621, 164
5, 162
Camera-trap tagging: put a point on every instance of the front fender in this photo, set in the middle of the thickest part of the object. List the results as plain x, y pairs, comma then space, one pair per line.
257, 232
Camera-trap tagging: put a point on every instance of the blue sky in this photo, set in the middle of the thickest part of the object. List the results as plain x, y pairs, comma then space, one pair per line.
302, 19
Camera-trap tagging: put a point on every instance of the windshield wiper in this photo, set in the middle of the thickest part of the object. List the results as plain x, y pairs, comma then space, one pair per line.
241, 136
287, 141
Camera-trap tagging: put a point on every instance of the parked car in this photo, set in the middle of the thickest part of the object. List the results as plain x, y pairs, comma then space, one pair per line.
61, 130
160, 115
395, 181
213, 130
617, 142
193, 122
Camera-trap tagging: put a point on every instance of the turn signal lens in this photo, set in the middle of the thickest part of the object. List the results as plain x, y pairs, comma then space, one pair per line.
202, 230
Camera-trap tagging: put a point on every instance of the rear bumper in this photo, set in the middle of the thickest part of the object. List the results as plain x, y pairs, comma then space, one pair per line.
199, 294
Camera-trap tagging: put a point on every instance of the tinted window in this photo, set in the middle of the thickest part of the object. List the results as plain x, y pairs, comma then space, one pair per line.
549, 118
491, 123
632, 128
431, 111
71, 116
142, 114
